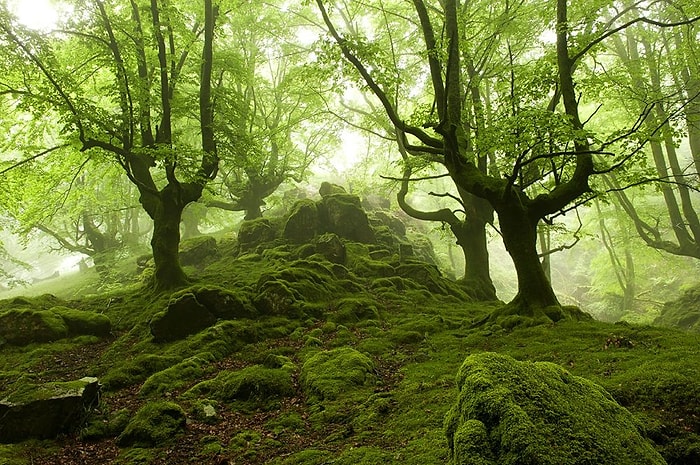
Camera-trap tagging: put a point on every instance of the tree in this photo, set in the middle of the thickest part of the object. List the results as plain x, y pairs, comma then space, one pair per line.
544, 166
120, 77
657, 66
273, 124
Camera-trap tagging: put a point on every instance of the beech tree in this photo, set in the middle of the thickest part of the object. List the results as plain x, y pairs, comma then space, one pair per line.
273, 124
120, 77
545, 161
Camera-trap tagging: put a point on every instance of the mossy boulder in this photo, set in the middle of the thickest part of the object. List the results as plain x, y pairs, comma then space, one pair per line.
257, 383
328, 188
166, 382
330, 374
354, 310
198, 250
153, 424
683, 312
331, 248
81, 322
183, 316
343, 215
44, 411
253, 233
302, 224
536, 413
222, 303
24, 326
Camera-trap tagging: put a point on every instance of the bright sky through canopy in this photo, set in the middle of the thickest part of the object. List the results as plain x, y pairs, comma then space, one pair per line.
36, 14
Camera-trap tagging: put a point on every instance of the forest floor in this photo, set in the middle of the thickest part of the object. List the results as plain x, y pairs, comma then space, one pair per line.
415, 334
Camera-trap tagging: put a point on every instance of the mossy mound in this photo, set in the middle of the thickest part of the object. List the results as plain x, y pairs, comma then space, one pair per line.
153, 424
254, 233
81, 322
303, 223
175, 377
683, 312
183, 316
536, 413
220, 302
197, 251
256, 383
25, 326
329, 374
284, 291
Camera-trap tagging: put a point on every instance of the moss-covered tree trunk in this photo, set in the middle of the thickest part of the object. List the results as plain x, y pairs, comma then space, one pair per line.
165, 243
471, 238
520, 239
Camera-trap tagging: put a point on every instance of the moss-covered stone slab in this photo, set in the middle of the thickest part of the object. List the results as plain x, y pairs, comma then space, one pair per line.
44, 411
153, 424
329, 374
183, 316
535, 413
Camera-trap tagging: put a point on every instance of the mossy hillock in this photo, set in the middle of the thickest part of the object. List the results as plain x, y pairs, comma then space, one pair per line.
510, 412
330, 351
153, 424
683, 313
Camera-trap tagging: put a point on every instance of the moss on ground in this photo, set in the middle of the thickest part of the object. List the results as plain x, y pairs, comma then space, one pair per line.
330, 374
153, 424
356, 366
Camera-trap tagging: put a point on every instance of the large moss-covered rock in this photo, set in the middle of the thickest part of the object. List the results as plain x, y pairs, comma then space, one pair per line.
183, 316
525, 413
253, 233
328, 188
683, 312
83, 322
24, 326
329, 374
302, 224
153, 424
197, 250
343, 215
44, 411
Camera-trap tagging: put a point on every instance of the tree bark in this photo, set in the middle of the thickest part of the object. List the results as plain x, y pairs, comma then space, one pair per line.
519, 232
165, 242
